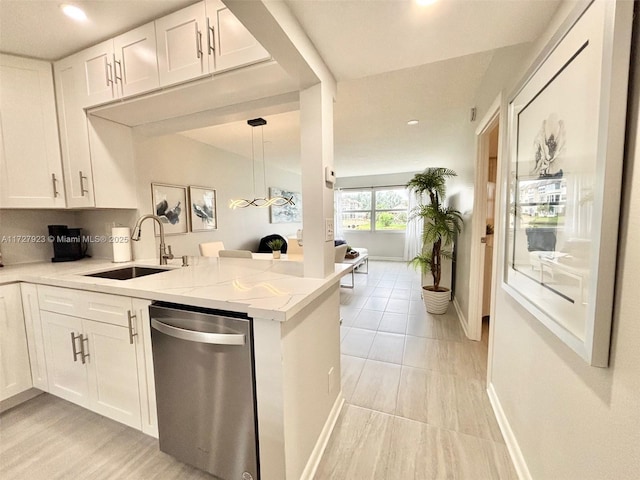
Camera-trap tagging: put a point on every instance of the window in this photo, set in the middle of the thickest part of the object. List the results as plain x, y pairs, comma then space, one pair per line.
388, 207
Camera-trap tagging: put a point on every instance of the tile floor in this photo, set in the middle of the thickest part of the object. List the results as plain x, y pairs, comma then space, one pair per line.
416, 405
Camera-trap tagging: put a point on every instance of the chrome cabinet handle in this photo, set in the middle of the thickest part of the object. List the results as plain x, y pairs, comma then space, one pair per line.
130, 317
211, 38
84, 354
54, 181
115, 70
109, 73
199, 337
82, 178
198, 41
73, 346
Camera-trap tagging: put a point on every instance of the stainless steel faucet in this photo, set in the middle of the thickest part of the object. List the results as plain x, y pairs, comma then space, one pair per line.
165, 250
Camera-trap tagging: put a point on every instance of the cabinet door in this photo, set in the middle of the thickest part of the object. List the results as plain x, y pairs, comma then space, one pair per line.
15, 371
113, 372
135, 64
179, 44
98, 74
74, 134
112, 161
230, 44
67, 374
30, 165
35, 341
146, 381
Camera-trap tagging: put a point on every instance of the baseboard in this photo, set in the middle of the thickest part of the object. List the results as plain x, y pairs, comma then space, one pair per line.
386, 259
22, 397
316, 454
461, 318
510, 439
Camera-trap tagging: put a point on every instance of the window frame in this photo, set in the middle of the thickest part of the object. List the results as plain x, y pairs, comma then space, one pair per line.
372, 211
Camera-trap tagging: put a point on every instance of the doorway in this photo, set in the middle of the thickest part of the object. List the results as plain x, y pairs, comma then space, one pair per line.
487, 187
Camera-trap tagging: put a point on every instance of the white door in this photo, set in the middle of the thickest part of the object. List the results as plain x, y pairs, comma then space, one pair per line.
230, 44
74, 134
98, 74
180, 45
15, 371
63, 351
135, 63
30, 165
113, 372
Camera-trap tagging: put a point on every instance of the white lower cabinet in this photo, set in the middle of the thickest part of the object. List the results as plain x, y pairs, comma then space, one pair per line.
112, 369
67, 374
101, 362
15, 371
35, 340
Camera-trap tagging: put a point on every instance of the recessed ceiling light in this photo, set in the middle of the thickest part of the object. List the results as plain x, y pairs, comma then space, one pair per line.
423, 3
74, 12
413, 122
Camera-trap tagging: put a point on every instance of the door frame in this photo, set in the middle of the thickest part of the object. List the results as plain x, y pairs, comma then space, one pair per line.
495, 116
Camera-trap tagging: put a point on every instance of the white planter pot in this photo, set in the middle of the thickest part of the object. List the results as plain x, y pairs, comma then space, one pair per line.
276, 254
436, 302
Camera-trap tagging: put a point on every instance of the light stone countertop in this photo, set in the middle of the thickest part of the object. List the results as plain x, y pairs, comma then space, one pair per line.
271, 289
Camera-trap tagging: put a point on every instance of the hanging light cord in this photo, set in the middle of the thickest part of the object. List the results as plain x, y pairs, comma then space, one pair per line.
265, 201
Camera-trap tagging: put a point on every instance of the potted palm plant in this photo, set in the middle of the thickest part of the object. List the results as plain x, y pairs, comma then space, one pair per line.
441, 224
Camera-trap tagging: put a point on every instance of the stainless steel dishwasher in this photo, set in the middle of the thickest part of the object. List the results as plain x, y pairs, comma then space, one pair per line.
205, 389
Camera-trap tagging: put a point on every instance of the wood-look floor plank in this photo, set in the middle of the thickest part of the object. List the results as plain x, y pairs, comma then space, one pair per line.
377, 387
359, 446
447, 401
418, 450
48, 438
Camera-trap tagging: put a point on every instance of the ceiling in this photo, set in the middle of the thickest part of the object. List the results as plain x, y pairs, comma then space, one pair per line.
362, 38
39, 29
394, 60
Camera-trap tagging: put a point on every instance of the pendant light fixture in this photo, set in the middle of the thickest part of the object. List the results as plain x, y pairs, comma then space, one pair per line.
264, 201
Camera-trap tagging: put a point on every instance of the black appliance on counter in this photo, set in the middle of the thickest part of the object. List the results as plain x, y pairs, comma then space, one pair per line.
68, 244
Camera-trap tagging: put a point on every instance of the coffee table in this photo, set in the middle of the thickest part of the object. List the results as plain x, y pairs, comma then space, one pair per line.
360, 260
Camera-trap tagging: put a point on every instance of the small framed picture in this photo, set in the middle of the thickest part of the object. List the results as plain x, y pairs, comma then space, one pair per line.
170, 203
288, 213
202, 211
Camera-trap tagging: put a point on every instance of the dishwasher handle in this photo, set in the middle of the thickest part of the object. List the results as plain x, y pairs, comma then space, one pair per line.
199, 337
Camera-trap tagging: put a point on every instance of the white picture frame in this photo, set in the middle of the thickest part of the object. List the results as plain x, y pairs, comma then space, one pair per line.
202, 209
169, 202
566, 141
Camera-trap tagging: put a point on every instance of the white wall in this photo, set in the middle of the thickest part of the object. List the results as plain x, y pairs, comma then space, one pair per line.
570, 420
384, 245
177, 160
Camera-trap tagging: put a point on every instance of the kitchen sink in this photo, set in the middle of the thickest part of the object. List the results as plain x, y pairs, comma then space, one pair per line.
127, 273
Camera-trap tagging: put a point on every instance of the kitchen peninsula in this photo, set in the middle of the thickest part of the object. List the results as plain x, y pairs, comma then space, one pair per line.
295, 326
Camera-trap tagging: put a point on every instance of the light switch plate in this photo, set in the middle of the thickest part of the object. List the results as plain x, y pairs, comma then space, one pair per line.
328, 229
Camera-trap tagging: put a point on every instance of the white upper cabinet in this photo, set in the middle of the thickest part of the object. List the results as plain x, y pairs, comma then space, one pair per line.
229, 43
123, 66
135, 62
71, 93
97, 154
98, 73
179, 38
30, 166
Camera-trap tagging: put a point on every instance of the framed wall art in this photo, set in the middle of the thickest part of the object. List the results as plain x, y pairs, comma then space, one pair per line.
289, 213
564, 179
202, 202
170, 204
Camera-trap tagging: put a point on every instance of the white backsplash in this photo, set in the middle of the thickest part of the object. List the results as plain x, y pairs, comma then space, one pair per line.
30, 227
